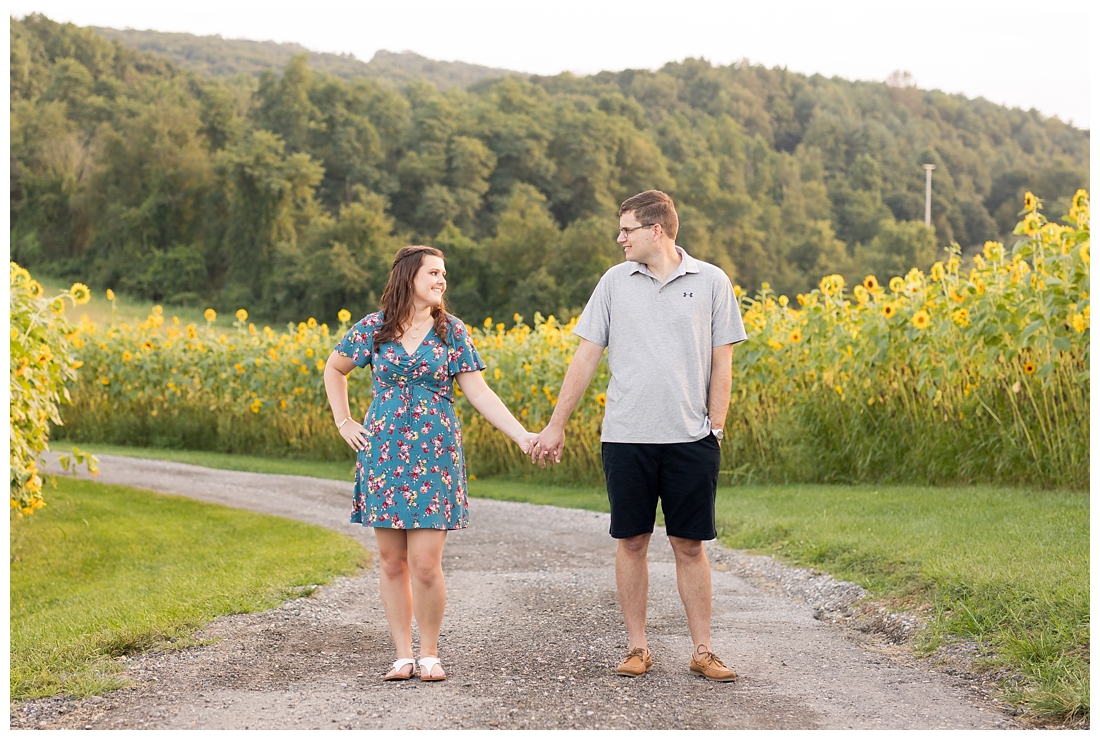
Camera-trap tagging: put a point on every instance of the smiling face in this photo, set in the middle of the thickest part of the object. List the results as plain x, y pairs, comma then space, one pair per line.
430, 281
638, 244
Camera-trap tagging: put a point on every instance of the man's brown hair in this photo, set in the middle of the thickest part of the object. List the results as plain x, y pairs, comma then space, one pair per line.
653, 207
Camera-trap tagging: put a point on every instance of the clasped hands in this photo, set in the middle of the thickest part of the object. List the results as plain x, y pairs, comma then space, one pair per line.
546, 446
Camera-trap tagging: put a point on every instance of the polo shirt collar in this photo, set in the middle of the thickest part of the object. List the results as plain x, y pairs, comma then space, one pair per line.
687, 264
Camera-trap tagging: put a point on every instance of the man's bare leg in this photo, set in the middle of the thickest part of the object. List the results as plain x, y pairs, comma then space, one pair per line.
632, 579
693, 582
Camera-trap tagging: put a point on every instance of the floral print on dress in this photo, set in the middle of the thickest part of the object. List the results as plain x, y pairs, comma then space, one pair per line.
411, 473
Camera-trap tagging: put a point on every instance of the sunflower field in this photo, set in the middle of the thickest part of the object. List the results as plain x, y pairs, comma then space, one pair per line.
975, 371
40, 346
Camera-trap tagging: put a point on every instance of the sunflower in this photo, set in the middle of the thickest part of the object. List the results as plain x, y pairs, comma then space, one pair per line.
961, 317
210, 314
1030, 201
896, 284
1084, 252
921, 319
1030, 225
147, 345
110, 294
937, 272
256, 405
1029, 368
775, 344
35, 288
795, 336
870, 282
311, 322
831, 284
57, 306
1078, 322
157, 311
889, 310
242, 315
344, 316
105, 381
601, 399
81, 293
1081, 199
126, 356
784, 300
861, 294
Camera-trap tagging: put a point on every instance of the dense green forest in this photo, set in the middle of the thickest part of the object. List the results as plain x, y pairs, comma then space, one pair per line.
288, 193
213, 56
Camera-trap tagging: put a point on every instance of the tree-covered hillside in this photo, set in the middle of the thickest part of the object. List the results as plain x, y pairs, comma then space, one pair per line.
289, 193
213, 56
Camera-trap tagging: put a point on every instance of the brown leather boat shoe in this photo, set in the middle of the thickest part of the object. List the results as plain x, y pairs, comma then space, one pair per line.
636, 663
710, 667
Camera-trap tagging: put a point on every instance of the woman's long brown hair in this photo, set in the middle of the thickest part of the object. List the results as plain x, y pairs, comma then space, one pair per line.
397, 298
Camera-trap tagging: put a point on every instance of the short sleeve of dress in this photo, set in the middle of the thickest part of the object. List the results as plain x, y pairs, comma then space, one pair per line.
462, 356
358, 344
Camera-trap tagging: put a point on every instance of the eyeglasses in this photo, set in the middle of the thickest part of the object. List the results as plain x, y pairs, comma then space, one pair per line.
627, 231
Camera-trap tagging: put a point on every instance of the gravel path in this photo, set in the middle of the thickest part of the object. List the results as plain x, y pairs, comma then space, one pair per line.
530, 639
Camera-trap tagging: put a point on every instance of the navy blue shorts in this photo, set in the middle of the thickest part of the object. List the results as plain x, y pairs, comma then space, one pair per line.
683, 476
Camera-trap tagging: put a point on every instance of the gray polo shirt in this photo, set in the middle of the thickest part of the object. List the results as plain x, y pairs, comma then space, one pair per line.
659, 339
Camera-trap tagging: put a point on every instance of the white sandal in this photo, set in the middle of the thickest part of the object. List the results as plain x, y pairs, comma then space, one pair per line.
427, 664
398, 664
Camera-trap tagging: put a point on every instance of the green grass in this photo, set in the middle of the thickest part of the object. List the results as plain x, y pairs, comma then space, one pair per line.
128, 308
106, 571
1006, 567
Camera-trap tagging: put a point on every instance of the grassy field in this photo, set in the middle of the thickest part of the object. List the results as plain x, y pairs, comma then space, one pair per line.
127, 308
1008, 568
105, 571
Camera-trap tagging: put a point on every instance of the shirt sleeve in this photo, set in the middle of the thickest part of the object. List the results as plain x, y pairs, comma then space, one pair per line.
358, 344
462, 355
595, 321
726, 326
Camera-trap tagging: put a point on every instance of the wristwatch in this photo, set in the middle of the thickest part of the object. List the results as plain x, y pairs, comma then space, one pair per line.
718, 434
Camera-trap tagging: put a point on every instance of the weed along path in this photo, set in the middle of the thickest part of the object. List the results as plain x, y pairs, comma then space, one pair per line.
530, 640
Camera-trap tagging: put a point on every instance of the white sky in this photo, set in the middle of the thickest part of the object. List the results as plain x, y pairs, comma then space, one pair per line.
1022, 54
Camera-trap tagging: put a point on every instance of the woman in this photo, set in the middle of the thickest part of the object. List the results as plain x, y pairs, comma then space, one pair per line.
410, 474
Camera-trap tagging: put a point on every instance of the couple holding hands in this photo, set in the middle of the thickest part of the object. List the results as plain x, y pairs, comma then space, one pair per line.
669, 323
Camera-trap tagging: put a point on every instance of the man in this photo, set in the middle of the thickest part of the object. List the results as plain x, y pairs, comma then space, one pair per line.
669, 323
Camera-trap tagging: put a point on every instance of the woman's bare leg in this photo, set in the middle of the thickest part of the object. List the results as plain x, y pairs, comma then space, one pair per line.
429, 594
393, 582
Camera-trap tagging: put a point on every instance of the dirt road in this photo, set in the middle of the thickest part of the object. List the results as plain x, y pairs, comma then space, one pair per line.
530, 640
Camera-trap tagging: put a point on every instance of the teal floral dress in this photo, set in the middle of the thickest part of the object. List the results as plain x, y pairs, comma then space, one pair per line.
411, 474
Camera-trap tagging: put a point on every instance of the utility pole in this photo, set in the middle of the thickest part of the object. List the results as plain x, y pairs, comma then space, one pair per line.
928, 194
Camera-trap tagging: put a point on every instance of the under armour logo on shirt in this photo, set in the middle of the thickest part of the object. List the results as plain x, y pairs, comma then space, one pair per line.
689, 295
